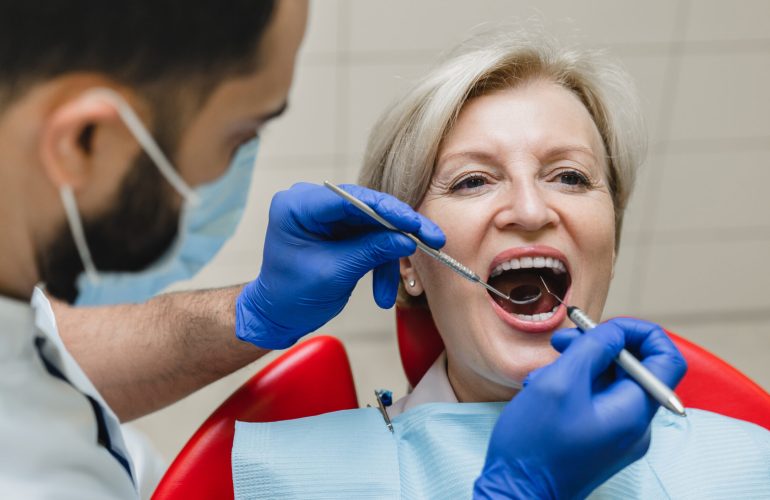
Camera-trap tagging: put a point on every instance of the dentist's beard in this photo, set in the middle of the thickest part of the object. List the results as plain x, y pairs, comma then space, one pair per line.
135, 232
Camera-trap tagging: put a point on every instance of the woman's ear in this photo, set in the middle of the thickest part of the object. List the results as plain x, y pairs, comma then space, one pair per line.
409, 275
83, 139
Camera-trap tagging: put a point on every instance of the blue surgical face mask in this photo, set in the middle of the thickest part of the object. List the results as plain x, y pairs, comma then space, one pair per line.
210, 214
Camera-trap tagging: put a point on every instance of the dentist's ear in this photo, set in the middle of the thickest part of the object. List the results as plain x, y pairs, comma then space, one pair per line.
84, 143
411, 279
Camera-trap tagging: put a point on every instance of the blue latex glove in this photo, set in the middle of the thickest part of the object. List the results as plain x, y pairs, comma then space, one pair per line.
317, 247
581, 419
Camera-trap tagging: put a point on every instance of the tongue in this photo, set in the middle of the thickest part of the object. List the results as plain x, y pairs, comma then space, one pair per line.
512, 282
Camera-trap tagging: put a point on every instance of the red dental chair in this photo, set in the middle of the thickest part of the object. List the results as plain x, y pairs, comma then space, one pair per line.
710, 383
314, 377
311, 378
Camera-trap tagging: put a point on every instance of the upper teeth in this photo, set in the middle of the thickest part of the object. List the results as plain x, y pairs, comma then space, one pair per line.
528, 262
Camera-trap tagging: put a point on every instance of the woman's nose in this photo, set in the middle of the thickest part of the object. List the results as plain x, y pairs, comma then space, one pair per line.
525, 206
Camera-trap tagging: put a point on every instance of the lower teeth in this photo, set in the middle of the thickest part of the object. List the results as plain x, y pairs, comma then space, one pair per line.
537, 317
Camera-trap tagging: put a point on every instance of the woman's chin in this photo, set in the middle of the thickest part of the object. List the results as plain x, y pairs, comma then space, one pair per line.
516, 362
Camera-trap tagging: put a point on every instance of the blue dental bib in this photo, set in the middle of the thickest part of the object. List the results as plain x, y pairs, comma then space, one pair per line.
437, 451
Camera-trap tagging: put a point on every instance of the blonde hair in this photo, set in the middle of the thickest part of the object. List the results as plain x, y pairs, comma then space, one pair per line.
403, 145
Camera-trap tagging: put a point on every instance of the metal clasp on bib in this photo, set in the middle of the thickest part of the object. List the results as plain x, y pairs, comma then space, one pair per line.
384, 399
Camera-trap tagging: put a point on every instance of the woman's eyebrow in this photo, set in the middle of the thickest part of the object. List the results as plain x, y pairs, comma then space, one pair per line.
569, 148
469, 155
485, 157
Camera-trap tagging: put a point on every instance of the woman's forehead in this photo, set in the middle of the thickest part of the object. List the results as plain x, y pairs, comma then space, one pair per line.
539, 118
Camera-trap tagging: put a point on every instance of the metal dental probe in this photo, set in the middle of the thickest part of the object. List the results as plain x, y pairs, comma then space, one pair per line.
635, 369
436, 254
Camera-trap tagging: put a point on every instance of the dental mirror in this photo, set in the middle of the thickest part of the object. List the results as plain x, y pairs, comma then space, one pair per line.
525, 294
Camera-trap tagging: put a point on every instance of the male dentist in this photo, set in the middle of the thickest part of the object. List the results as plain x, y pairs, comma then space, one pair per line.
128, 133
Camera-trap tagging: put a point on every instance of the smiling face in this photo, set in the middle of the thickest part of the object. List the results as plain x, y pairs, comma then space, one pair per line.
520, 181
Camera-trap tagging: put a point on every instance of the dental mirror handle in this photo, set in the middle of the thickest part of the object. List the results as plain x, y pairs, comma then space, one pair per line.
436, 254
635, 369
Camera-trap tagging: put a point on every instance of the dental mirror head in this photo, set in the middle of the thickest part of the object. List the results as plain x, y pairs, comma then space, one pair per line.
525, 294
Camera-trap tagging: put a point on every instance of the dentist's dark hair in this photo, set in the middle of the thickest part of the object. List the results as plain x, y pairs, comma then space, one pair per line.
139, 43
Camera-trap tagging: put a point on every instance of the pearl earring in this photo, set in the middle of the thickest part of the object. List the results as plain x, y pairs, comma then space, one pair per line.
411, 283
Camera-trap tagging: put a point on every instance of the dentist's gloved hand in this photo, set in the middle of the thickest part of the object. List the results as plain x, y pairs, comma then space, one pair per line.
580, 419
318, 245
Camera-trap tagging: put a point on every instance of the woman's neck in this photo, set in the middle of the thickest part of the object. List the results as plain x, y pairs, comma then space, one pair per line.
471, 387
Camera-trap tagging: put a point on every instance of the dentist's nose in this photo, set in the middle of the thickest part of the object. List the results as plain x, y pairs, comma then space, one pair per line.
525, 206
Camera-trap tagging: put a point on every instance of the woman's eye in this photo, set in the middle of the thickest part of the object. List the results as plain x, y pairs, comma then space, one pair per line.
574, 179
472, 182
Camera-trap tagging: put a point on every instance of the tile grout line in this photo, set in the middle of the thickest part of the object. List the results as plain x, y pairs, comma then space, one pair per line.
342, 92
619, 49
710, 318
671, 77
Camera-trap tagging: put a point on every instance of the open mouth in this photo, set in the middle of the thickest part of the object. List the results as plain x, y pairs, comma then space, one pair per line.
520, 279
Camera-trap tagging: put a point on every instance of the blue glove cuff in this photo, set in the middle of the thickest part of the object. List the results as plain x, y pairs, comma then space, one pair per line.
507, 481
254, 328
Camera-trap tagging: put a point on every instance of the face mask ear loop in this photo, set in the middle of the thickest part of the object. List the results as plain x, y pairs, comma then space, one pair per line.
76, 227
145, 140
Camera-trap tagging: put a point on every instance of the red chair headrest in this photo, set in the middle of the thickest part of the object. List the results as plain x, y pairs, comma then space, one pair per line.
418, 341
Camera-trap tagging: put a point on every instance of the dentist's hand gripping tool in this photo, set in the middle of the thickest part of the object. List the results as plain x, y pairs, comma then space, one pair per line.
635, 369
436, 254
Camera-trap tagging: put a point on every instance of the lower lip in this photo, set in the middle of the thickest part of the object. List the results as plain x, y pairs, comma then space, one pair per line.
546, 326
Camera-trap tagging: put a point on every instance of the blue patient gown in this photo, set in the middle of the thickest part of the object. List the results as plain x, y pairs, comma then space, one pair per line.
437, 450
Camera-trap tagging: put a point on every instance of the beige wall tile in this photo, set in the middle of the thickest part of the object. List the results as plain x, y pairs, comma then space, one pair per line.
309, 126
405, 25
376, 364
372, 89
734, 20
714, 277
229, 268
322, 33
619, 298
637, 216
352, 170
649, 73
722, 96
714, 191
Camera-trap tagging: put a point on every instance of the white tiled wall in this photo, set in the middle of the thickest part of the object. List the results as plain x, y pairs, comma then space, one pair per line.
722, 94
720, 20
697, 235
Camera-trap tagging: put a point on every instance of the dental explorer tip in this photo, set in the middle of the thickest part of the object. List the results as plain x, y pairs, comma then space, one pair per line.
550, 292
676, 406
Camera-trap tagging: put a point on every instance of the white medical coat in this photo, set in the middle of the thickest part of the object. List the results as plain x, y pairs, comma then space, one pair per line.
49, 428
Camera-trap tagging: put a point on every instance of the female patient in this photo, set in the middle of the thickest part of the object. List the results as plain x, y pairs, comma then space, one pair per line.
525, 155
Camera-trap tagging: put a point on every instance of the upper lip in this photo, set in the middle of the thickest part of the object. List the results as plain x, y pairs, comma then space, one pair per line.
527, 251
